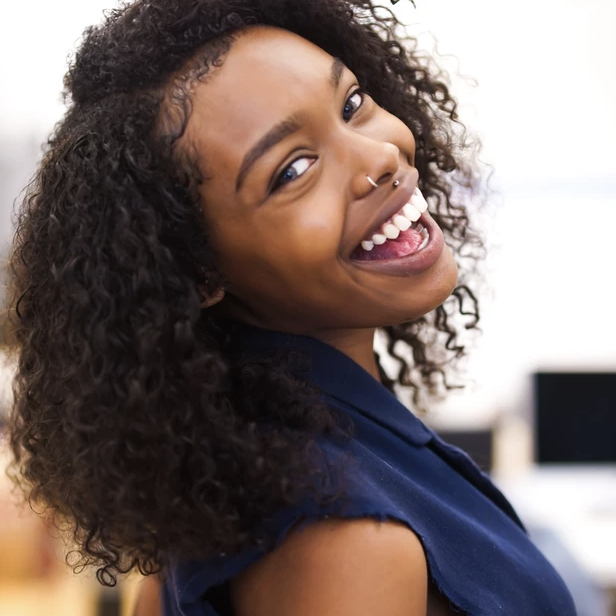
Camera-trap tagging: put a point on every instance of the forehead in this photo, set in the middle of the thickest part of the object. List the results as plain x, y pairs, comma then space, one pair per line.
267, 75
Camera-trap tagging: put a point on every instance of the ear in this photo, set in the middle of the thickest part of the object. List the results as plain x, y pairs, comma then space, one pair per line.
211, 300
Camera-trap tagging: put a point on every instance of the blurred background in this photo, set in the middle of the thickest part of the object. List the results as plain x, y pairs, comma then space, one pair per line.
535, 80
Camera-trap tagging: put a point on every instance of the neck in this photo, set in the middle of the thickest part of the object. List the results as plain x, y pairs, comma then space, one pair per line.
357, 344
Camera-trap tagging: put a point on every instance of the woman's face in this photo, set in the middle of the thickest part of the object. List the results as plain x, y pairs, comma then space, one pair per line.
286, 141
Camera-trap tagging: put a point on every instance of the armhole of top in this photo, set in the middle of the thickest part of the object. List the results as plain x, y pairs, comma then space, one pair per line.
220, 597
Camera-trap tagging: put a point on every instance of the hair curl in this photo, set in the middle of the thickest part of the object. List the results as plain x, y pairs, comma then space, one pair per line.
134, 423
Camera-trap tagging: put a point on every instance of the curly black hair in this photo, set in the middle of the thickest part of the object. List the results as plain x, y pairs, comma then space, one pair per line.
135, 424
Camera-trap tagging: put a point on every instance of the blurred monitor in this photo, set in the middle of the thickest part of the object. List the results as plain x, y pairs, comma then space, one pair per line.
575, 417
478, 444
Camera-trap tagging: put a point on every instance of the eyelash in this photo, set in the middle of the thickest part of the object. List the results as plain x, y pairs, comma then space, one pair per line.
277, 183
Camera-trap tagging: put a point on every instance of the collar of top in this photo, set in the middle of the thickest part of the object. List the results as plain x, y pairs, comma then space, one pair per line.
338, 377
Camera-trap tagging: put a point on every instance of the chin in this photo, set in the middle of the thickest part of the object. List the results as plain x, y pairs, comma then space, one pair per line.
436, 289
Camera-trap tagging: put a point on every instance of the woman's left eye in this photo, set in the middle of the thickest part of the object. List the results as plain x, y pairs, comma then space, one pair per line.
299, 166
353, 103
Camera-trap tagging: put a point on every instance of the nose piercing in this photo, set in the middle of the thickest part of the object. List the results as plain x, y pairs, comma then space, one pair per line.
396, 183
372, 182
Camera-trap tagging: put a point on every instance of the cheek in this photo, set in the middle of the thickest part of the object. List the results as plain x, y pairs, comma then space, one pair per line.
284, 246
397, 132
316, 233
406, 140
301, 230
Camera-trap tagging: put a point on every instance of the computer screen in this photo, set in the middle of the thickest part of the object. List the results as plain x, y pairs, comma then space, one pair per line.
575, 417
478, 444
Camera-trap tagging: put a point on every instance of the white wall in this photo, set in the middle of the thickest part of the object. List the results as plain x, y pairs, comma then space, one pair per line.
544, 108
546, 96
36, 38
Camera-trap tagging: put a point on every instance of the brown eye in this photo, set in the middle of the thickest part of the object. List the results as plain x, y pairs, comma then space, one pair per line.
353, 103
296, 169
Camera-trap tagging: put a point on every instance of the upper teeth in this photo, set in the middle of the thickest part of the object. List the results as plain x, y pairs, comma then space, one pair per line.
403, 220
391, 231
411, 211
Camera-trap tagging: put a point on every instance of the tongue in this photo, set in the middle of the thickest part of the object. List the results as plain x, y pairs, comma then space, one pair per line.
407, 243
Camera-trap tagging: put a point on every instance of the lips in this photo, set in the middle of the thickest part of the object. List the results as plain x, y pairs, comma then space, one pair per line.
398, 198
415, 263
391, 207
407, 258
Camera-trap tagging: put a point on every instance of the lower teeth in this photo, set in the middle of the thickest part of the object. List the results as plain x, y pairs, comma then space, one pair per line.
426, 237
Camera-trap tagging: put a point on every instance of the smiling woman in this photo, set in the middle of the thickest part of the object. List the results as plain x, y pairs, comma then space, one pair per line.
301, 204
241, 193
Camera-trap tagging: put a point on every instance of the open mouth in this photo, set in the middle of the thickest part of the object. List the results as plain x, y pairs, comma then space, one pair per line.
402, 235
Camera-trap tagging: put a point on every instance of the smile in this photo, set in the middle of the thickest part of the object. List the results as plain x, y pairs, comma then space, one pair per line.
409, 242
400, 235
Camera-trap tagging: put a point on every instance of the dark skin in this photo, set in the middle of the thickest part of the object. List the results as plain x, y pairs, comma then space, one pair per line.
284, 250
298, 232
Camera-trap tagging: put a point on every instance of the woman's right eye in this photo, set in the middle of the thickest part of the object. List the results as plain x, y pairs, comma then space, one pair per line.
296, 169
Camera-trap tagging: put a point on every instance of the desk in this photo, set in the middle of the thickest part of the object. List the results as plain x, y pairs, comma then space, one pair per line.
64, 594
579, 504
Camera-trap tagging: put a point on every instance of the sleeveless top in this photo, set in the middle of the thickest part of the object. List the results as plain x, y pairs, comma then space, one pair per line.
478, 553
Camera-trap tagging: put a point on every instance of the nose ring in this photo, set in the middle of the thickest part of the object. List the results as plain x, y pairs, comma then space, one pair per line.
372, 182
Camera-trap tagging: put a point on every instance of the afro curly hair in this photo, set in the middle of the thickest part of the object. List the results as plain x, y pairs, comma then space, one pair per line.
134, 424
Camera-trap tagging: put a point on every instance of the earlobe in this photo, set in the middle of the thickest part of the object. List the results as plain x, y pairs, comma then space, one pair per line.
211, 300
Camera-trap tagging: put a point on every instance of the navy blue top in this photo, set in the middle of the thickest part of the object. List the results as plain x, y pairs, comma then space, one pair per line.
478, 553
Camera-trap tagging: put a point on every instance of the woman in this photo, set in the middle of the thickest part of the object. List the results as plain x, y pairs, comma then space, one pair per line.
232, 206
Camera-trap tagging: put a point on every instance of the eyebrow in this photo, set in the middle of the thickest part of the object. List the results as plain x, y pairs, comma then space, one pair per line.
282, 130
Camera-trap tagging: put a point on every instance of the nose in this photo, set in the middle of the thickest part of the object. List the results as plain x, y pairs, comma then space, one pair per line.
379, 161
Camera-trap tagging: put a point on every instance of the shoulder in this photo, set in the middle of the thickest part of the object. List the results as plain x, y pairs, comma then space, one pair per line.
337, 566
